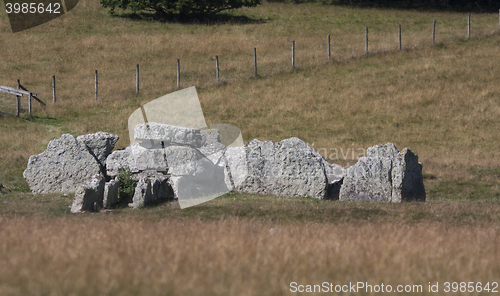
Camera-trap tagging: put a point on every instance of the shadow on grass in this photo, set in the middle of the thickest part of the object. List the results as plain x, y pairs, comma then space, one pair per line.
217, 19
430, 6
44, 120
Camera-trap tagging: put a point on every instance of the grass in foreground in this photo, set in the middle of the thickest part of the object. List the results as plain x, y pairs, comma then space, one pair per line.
242, 245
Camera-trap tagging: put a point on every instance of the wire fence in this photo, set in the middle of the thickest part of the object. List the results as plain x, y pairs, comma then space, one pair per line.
158, 78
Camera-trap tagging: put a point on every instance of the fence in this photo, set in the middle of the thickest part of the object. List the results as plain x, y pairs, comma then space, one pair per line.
19, 93
252, 67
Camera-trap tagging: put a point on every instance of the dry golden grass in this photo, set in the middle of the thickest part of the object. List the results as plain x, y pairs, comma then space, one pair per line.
85, 256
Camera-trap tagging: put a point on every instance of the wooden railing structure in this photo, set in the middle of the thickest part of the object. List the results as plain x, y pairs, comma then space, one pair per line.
19, 92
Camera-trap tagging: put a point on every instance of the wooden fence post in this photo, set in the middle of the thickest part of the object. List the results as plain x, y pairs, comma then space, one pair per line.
399, 36
366, 39
217, 67
255, 61
178, 73
329, 52
433, 31
18, 101
293, 54
96, 85
137, 79
468, 25
53, 89
29, 104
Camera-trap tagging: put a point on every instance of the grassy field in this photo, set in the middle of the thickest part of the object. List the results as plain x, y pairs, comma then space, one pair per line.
441, 101
243, 245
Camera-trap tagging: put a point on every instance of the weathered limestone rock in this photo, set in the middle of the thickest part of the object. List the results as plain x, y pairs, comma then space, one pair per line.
110, 197
399, 170
287, 168
407, 180
159, 132
117, 160
142, 194
99, 145
177, 160
194, 178
65, 164
334, 172
368, 180
236, 167
387, 150
211, 145
89, 197
141, 159
151, 186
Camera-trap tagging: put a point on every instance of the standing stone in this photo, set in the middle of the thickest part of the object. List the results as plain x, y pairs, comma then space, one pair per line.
287, 168
65, 164
236, 167
110, 197
407, 180
385, 166
152, 186
142, 194
89, 197
99, 145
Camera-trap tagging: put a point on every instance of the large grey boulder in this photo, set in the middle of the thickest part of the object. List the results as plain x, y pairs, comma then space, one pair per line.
89, 196
65, 164
385, 175
99, 145
287, 168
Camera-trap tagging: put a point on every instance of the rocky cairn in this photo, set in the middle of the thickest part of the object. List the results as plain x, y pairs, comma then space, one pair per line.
173, 162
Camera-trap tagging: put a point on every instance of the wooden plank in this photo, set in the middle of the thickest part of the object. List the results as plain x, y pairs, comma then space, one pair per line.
13, 91
40, 101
